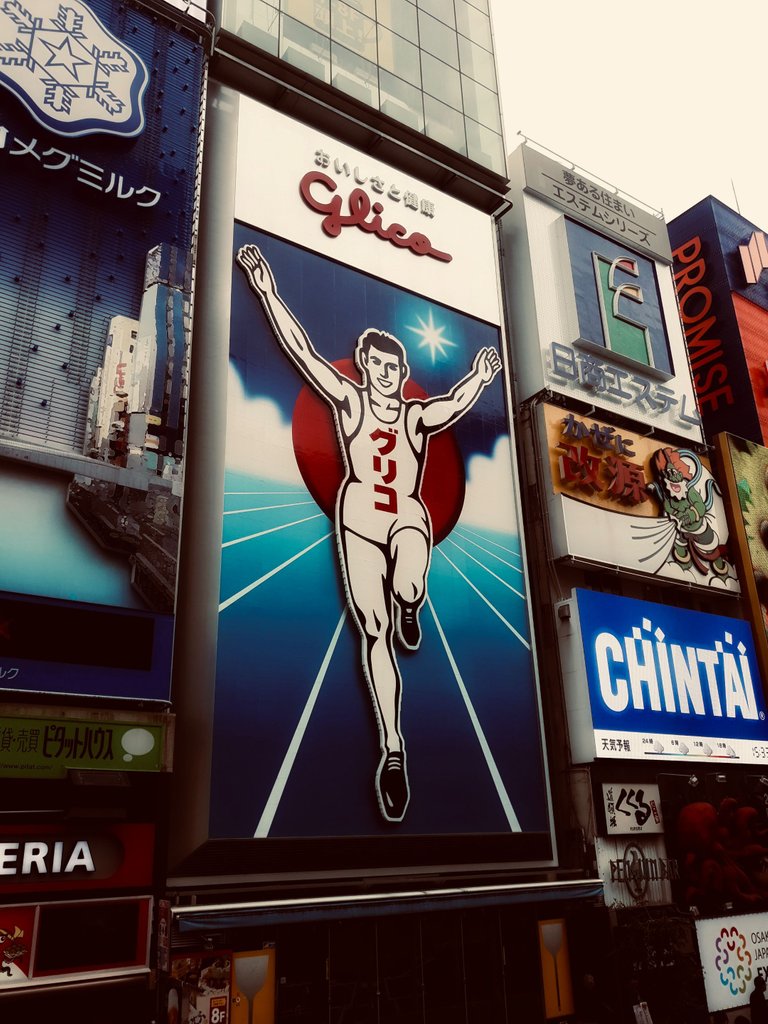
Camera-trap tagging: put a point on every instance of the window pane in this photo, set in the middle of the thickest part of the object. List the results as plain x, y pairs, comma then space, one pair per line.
352, 964
401, 101
254, 21
440, 80
477, 63
399, 56
353, 30
483, 968
354, 75
399, 962
302, 954
399, 15
473, 24
439, 9
309, 12
444, 124
305, 49
485, 147
481, 5
365, 6
481, 104
443, 969
438, 39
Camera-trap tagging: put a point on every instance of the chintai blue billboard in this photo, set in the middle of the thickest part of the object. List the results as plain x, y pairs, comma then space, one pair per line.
645, 680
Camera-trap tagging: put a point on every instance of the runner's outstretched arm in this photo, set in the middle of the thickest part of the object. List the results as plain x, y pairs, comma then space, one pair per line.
439, 413
291, 336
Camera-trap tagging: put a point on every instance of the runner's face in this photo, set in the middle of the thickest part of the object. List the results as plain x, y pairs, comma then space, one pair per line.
385, 371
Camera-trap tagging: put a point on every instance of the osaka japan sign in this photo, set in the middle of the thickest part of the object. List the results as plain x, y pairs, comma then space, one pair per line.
650, 681
733, 952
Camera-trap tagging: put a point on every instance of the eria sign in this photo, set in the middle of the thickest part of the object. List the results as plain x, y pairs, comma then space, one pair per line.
654, 681
71, 73
49, 858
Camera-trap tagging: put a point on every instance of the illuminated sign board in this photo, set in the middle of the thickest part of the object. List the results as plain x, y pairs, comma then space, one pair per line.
598, 205
632, 808
636, 871
592, 300
44, 743
337, 200
50, 943
618, 304
723, 296
656, 682
371, 510
94, 325
733, 952
73, 75
52, 858
744, 466
621, 498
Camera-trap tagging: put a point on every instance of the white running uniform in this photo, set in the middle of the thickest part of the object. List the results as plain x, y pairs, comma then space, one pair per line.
380, 494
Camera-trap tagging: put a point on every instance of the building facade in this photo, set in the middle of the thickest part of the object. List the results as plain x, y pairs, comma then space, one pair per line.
361, 819
99, 146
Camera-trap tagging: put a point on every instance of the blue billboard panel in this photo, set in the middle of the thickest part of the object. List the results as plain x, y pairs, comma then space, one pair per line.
375, 673
99, 128
667, 682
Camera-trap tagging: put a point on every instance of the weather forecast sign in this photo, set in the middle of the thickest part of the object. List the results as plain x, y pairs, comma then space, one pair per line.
664, 682
375, 668
734, 952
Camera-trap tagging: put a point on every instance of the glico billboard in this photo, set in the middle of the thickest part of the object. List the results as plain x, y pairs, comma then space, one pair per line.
655, 682
375, 666
99, 132
721, 278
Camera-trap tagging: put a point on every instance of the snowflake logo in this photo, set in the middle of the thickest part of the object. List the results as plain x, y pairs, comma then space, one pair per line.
69, 71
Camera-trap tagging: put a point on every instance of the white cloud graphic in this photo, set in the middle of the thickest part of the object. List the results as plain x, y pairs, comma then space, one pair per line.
490, 498
259, 440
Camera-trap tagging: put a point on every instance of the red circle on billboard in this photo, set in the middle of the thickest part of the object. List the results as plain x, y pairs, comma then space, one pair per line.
318, 455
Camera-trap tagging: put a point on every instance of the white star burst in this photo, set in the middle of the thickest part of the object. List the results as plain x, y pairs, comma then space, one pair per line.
432, 337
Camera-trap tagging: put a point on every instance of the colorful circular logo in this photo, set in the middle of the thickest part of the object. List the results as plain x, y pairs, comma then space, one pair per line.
733, 960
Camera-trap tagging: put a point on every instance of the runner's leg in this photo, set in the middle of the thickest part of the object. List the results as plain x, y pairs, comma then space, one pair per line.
411, 550
366, 574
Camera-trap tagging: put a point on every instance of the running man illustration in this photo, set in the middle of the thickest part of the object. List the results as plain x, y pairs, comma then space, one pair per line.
383, 528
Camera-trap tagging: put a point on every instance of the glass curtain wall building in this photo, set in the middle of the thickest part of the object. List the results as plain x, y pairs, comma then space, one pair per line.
427, 64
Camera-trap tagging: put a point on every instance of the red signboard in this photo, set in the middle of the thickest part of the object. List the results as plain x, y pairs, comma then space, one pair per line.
51, 858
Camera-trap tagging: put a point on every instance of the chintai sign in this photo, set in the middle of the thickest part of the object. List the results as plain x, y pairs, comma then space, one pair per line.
653, 681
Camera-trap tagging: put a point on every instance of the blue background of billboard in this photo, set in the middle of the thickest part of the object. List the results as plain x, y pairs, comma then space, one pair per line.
272, 641
73, 257
599, 612
721, 231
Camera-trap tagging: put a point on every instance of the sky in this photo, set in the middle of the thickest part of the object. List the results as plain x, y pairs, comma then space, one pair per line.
665, 100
